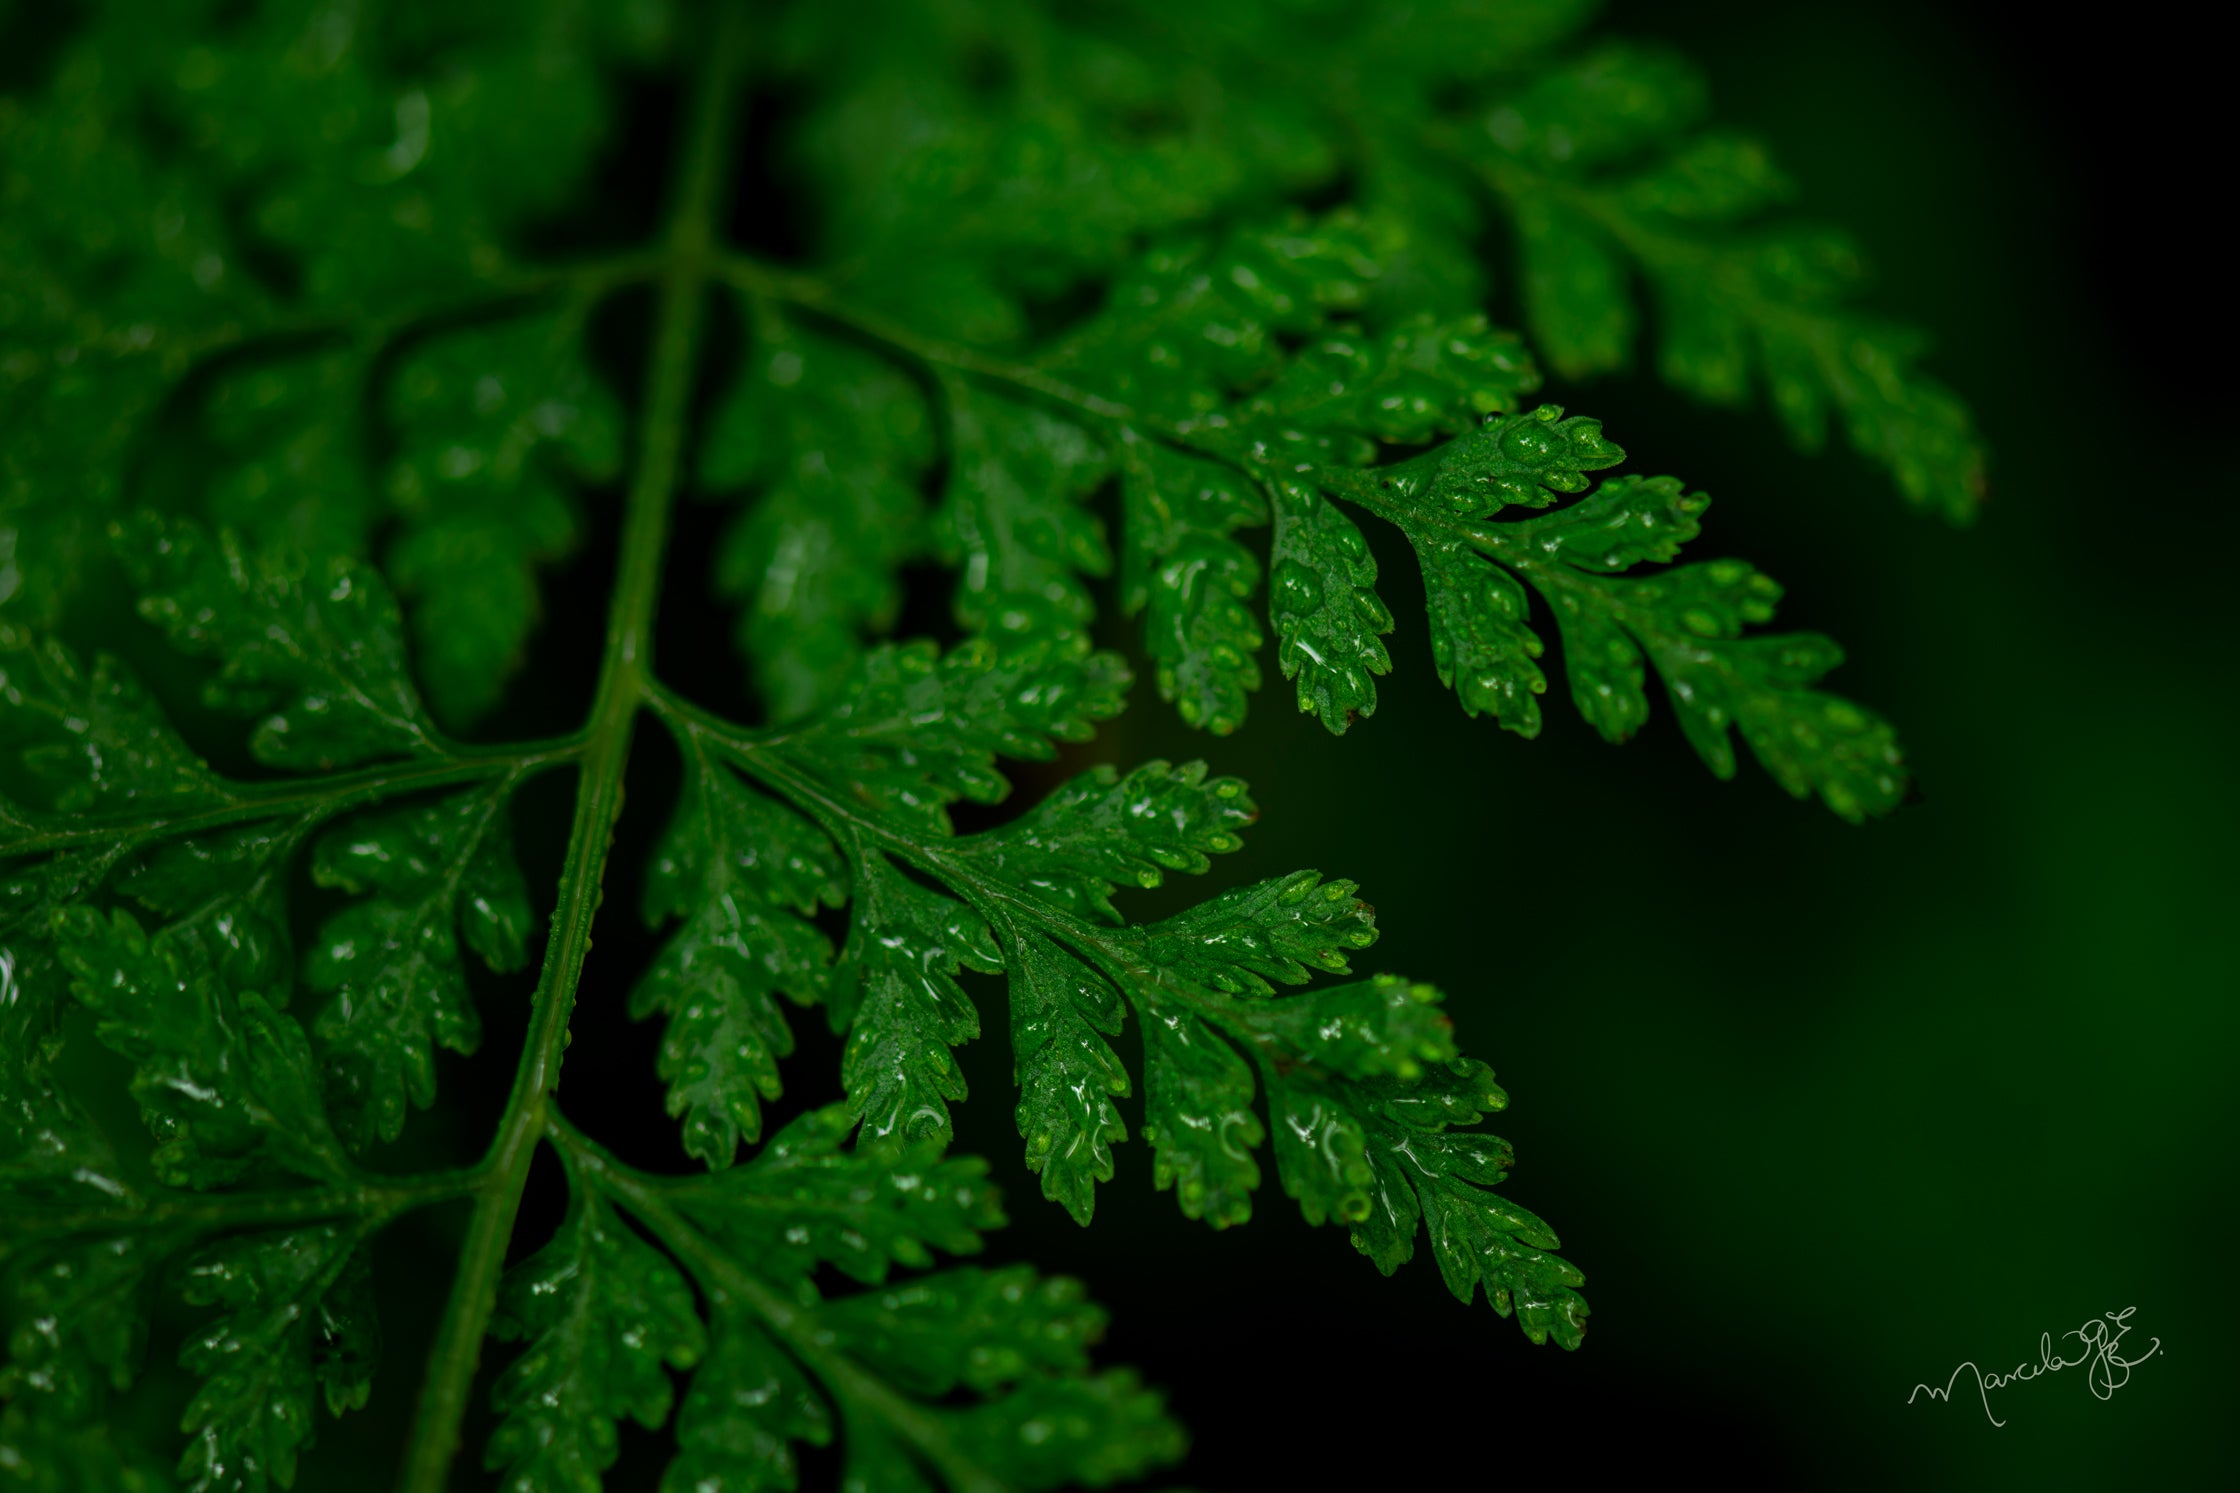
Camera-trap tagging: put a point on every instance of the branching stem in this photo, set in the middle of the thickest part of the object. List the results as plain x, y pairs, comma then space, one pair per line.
1211, 439
685, 260
859, 1390
325, 796
190, 1212
1119, 950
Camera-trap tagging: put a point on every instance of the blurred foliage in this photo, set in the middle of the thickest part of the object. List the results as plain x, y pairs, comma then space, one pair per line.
1070, 304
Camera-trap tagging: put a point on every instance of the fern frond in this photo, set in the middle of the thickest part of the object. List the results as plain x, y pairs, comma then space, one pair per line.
1606, 178
1214, 428
786, 1362
1033, 899
293, 385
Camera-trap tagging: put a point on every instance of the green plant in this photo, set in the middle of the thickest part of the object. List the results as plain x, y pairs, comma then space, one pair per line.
285, 361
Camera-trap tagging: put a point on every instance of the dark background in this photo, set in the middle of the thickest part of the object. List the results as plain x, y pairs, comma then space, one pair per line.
1821, 1111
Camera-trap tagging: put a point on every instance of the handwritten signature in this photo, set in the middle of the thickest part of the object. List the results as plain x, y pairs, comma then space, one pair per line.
2105, 1369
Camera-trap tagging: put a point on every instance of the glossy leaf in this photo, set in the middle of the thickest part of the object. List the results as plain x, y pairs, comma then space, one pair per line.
299, 1329
1421, 1166
833, 443
225, 1082
970, 1328
314, 646
916, 729
1425, 378
1281, 931
1062, 1011
1013, 524
88, 739
807, 1199
743, 872
1198, 583
50, 1148
1689, 623
1193, 342
1194, 323
1328, 618
1034, 898
896, 995
962, 1377
226, 891
605, 1317
498, 426
1528, 461
1102, 831
428, 880
1022, 1341
1199, 1118
83, 1312
748, 1405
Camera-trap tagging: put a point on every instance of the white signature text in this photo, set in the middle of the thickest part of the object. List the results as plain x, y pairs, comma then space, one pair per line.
2106, 1369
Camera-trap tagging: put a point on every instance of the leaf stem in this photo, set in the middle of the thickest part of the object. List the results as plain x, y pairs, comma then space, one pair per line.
230, 1211
858, 1388
1362, 486
327, 796
1118, 950
685, 259
588, 278
813, 296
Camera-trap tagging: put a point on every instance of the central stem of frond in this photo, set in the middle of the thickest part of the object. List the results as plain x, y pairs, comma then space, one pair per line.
624, 677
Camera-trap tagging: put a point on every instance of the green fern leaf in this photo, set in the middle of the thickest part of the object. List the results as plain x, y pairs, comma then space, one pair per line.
1102, 831
89, 740
807, 1199
1328, 620
225, 893
225, 1080
918, 729
299, 1328
292, 470
1197, 581
1605, 178
748, 1406
1013, 525
1199, 1119
97, 1288
498, 427
1033, 898
836, 442
315, 356
1062, 1011
1689, 623
603, 1312
958, 1377
896, 995
1277, 932
742, 871
318, 645
1420, 1166
432, 879
58, 1458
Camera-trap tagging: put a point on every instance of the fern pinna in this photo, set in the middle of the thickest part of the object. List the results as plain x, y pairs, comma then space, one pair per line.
281, 360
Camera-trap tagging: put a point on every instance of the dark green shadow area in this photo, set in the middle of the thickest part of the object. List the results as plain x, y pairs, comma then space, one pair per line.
1821, 1112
